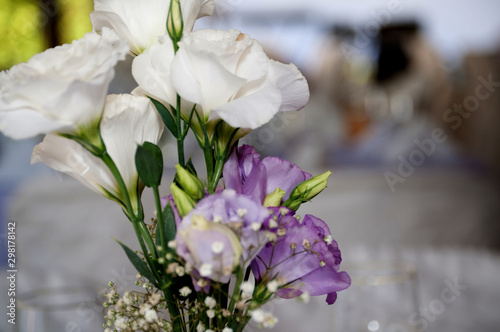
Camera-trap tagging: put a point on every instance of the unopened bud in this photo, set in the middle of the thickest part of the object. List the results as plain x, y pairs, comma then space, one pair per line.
189, 183
175, 24
307, 190
274, 198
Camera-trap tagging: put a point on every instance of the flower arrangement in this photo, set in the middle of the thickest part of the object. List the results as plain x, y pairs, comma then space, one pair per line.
218, 247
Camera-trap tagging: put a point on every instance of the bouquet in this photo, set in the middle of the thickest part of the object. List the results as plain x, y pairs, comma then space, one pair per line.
221, 245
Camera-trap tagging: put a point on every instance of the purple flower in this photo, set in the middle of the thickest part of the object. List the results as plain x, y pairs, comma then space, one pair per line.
246, 174
222, 232
304, 258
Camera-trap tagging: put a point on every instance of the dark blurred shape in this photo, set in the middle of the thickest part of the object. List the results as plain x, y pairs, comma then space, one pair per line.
393, 57
50, 9
474, 116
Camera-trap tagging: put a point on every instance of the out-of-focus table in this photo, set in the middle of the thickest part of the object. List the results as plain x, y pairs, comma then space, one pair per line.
443, 223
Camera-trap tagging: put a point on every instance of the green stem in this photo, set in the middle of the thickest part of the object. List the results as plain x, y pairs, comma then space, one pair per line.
209, 161
173, 310
121, 184
181, 136
216, 175
236, 291
161, 222
241, 326
147, 237
140, 238
180, 152
140, 228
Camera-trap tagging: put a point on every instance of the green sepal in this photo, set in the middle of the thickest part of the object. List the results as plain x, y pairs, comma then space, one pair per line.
166, 116
149, 164
138, 263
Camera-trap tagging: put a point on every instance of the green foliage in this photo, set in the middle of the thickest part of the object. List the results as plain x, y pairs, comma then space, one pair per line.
149, 164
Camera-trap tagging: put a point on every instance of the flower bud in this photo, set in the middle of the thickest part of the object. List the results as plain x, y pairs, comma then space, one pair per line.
307, 190
274, 198
182, 200
175, 24
189, 183
199, 238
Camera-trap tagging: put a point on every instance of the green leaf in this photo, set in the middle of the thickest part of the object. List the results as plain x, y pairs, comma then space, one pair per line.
166, 116
138, 263
169, 220
149, 163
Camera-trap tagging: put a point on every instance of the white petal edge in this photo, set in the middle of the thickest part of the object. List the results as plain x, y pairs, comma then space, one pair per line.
292, 84
67, 156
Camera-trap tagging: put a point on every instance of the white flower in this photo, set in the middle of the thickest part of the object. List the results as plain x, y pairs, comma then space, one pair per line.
217, 247
272, 286
226, 74
305, 297
127, 298
144, 308
154, 298
210, 302
127, 121
247, 289
227, 329
121, 323
151, 70
211, 313
185, 291
229, 77
200, 327
151, 316
180, 271
142, 21
62, 89
206, 270
257, 315
265, 318
269, 320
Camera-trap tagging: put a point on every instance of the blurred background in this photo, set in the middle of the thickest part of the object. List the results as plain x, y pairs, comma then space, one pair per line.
404, 109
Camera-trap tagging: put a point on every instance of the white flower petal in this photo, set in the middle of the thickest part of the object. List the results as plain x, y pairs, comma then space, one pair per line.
25, 123
139, 22
292, 84
251, 111
194, 9
151, 70
67, 156
142, 21
201, 79
128, 121
62, 88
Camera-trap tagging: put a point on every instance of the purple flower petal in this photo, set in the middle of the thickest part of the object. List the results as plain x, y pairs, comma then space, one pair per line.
283, 174
233, 220
304, 256
246, 174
